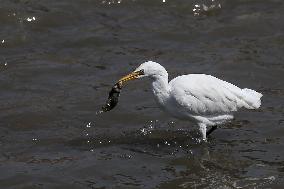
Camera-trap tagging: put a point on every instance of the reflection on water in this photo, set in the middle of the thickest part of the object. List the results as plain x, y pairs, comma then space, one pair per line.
58, 60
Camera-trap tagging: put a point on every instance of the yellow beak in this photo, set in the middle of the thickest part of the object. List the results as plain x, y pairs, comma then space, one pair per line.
131, 76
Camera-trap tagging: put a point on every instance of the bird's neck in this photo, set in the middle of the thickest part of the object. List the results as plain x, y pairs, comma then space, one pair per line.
160, 87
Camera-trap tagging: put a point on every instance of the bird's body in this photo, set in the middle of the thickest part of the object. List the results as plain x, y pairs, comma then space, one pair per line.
202, 98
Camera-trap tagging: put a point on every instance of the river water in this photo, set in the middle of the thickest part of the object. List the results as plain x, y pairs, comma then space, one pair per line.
59, 59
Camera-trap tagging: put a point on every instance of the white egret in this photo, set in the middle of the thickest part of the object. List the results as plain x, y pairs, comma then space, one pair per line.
202, 98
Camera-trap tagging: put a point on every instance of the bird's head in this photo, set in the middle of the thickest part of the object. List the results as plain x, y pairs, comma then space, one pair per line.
147, 69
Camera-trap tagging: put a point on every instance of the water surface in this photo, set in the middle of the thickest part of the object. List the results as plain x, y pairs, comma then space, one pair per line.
59, 59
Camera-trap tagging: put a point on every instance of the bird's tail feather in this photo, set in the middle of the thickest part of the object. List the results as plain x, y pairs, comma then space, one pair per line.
252, 98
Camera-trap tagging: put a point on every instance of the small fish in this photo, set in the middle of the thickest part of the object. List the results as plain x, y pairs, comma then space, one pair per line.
115, 90
112, 97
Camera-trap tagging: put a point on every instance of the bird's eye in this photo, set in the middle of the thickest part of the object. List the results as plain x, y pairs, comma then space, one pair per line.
141, 72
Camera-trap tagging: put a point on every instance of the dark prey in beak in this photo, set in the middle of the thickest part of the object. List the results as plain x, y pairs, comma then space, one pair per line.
112, 97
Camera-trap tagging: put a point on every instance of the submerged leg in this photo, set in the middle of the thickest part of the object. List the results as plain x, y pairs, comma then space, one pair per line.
202, 129
213, 128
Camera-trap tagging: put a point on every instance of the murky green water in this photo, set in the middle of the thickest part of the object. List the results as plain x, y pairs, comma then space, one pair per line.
59, 59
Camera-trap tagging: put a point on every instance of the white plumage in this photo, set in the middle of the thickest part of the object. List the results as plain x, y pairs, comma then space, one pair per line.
202, 98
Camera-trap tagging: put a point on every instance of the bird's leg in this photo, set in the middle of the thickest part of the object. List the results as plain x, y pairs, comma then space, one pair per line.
202, 129
213, 128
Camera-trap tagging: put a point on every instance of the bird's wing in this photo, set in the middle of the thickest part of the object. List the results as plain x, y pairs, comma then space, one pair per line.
202, 94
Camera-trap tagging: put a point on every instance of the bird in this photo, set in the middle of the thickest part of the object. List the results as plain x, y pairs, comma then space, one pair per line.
199, 98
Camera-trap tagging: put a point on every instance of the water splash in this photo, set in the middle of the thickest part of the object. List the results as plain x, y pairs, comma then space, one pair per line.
86, 131
89, 125
167, 143
30, 19
99, 112
202, 9
109, 2
148, 129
